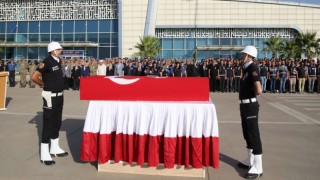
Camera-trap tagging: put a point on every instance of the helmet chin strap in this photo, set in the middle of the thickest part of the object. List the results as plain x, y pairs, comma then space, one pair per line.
245, 59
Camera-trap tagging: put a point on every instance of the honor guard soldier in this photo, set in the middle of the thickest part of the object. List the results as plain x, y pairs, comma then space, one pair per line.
50, 69
249, 109
312, 71
23, 72
32, 69
222, 75
238, 75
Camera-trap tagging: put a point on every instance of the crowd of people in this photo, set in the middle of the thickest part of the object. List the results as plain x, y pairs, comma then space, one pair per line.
277, 76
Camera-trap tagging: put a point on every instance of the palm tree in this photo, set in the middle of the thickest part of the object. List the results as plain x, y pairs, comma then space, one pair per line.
273, 44
308, 44
289, 49
148, 47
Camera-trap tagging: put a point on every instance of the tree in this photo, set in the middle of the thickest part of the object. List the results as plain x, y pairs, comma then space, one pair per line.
308, 44
273, 44
148, 47
289, 49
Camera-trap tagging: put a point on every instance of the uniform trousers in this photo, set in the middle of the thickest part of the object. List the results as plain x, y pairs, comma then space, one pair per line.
273, 83
318, 80
249, 121
283, 84
237, 84
311, 82
12, 77
222, 79
213, 83
301, 84
229, 84
52, 118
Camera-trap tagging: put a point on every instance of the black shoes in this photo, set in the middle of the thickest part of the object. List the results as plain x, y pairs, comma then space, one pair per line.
253, 176
48, 163
59, 155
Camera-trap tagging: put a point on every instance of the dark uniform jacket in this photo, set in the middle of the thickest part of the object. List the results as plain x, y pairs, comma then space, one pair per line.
251, 74
52, 74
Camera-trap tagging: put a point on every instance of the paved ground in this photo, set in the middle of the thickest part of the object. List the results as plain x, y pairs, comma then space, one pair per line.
289, 128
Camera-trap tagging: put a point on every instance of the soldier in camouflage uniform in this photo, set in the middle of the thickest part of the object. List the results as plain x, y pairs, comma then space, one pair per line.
23, 72
93, 67
32, 68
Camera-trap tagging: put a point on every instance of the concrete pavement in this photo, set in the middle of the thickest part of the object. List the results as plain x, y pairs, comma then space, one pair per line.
289, 127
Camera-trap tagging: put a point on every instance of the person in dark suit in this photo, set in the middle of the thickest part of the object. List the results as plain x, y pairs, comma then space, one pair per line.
76, 74
85, 70
204, 69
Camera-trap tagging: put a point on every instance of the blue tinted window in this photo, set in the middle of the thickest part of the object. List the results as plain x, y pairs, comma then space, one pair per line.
43, 53
190, 43
114, 25
80, 37
213, 41
201, 42
104, 25
33, 37
237, 41
201, 55
21, 52
104, 52
114, 40
33, 53
92, 52
22, 27
21, 38
10, 37
80, 26
11, 27
2, 37
2, 27
179, 54
225, 41
104, 38
92, 37
167, 43
56, 37
189, 54
68, 26
213, 54
34, 27
56, 26
9, 52
114, 52
92, 26
248, 41
178, 44
67, 37
45, 37
45, 26
167, 54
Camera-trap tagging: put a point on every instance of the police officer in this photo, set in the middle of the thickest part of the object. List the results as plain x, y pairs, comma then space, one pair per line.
238, 75
53, 84
264, 74
249, 109
230, 77
213, 75
222, 75
293, 77
273, 76
32, 69
312, 71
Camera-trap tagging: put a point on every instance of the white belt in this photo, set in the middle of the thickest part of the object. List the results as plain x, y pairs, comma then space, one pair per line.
56, 94
246, 101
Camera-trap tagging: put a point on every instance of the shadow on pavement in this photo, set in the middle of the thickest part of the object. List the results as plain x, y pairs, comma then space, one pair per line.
73, 129
233, 163
8, 100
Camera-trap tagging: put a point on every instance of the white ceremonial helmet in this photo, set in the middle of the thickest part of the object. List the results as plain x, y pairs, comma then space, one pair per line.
54, 46
250, 50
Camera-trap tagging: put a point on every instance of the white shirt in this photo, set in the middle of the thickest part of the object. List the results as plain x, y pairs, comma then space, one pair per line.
102, 70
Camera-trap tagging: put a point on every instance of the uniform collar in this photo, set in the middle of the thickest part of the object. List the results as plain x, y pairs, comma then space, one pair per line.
247, 64
55, 58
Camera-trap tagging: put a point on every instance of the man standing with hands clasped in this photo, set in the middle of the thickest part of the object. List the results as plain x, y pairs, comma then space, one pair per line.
52, 81
249, 110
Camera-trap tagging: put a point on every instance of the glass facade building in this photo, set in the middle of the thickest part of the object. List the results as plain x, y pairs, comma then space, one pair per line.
87, 25
215, 42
